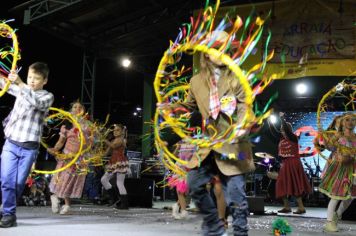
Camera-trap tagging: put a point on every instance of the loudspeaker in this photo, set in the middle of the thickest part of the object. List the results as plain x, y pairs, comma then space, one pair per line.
140, 192
256, 205
135, 170
350, 213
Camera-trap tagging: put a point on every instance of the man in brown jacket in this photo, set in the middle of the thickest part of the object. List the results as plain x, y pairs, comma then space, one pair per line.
216, 93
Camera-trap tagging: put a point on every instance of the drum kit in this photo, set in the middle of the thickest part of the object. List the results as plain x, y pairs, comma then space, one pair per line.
264, 155
263, 180
272, 174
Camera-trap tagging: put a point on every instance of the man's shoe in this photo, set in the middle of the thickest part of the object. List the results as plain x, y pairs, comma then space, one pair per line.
299, 212
285, 210
8, 221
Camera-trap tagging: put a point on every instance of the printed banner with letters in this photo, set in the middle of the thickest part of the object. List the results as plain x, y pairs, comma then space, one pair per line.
309, 37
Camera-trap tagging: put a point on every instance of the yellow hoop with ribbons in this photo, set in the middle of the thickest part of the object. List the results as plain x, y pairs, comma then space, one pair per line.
62, 113
199, 37
321, 108
8, 32
201, 143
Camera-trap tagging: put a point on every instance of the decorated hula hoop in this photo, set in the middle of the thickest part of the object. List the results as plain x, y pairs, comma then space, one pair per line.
8, 32
231, 65
81, 137
321, 108
171, 85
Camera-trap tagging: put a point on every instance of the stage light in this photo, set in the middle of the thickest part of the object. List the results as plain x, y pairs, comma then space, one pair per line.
125, 62
273, 119
135, 113
138, 108
301, 88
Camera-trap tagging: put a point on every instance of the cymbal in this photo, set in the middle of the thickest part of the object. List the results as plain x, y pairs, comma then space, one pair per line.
261, 164
264, 155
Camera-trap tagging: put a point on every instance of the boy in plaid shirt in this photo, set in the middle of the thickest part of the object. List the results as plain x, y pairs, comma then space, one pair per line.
23, 130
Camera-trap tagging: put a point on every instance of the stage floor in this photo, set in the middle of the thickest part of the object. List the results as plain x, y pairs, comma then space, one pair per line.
93, 220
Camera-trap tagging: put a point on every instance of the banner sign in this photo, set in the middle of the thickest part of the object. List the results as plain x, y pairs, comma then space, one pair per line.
309, 37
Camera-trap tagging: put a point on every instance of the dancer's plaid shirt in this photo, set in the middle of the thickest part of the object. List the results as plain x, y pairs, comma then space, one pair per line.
25, 121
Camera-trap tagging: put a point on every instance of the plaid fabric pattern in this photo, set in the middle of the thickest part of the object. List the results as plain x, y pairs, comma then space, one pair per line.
25, 121
214, 102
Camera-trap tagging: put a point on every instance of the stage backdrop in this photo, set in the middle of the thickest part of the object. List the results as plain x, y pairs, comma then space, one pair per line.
310, 37
306, 123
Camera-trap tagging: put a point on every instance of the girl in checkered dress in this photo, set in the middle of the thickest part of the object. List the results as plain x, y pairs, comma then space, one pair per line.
338, 182
69, 183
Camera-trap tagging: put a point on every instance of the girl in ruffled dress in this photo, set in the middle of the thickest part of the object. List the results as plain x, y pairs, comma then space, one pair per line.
338, 182
179, 209
118, 165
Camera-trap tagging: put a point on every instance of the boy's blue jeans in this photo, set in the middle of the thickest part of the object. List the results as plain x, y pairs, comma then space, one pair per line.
234, 192
16, 164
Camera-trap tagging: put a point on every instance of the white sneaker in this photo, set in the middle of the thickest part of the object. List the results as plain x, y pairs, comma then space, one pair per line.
55, 203
64, 210
182, 215
175, 210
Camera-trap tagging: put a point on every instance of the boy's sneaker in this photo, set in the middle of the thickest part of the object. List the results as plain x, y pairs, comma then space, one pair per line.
8, 221
55, 203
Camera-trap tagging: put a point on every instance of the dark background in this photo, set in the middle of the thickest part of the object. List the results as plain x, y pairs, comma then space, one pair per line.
119, 91
144, 34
